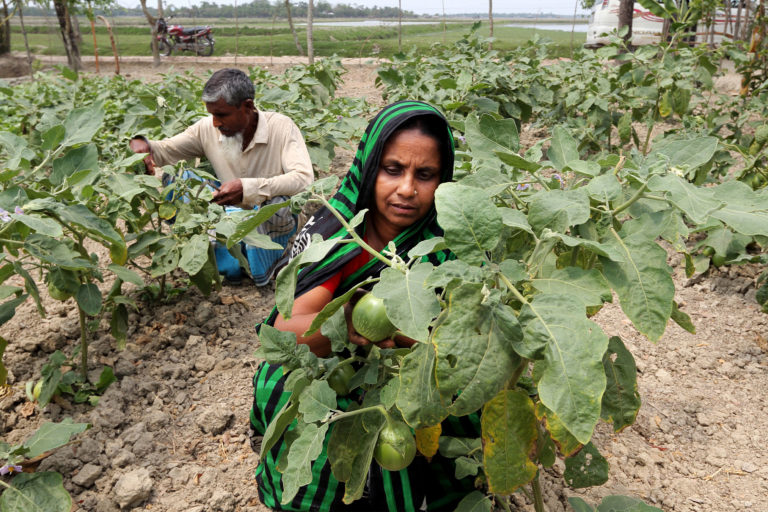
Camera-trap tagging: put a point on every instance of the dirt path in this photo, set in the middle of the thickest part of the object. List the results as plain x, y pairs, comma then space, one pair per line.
171, 434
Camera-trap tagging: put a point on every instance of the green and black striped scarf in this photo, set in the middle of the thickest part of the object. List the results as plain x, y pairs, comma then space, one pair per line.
357, 193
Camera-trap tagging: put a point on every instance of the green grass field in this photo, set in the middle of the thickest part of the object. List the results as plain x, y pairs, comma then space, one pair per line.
260, 37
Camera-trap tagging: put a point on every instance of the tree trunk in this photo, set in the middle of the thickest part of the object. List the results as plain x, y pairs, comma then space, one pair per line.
399, 26
310, 40
5, 31
75, 22
626, 10
293, 29
490, 22
26, 40
153, 23
67, 34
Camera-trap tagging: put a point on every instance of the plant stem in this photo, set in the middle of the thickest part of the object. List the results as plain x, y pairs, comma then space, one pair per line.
343, 415
83, 345
212, 259
512, 382
517, 294
503, 501
355, 236
538, 500
632, 200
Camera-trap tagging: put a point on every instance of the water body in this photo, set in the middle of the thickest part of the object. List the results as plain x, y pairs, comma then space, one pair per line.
369, 23
579, 27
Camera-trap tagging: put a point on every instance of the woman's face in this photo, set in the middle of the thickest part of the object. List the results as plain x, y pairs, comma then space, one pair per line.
409, 173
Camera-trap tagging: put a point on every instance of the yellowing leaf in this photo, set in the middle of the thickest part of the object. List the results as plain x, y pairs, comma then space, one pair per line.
509, 436
427, 440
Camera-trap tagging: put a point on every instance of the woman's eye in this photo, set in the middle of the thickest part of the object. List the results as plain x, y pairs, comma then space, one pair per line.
394, 171
426, 176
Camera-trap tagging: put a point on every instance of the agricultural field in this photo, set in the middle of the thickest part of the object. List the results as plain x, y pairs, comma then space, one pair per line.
260, 37
609, 220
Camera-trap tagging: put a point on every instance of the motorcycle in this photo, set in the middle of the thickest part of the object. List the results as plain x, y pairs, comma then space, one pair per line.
176, 37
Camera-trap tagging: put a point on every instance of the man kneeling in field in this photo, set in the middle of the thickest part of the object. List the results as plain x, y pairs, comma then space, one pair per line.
259, 158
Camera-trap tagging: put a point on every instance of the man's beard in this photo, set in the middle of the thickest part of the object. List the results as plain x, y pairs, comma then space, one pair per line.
232, 147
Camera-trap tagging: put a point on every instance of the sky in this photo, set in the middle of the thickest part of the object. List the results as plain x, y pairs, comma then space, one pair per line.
564, 7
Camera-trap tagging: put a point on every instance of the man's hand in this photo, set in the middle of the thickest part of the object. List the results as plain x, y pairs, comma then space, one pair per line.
141, 146
230, 192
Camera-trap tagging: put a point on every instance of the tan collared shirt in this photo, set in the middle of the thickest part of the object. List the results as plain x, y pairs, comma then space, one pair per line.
275, 163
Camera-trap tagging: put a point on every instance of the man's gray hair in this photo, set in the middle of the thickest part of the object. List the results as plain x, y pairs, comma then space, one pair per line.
229, 84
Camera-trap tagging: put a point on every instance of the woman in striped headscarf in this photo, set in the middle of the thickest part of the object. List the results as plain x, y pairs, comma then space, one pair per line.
406, 152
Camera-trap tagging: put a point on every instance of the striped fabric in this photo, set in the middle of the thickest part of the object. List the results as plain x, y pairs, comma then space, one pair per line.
422, 484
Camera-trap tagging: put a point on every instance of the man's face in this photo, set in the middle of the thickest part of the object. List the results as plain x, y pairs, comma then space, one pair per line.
230, 120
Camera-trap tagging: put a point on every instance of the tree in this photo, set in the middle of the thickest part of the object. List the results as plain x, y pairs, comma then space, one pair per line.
310, 41
153, 23
626, 10
71, 46
293, 29
490, 20
5, 31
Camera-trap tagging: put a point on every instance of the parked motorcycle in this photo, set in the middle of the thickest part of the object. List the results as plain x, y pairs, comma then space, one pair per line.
177, 38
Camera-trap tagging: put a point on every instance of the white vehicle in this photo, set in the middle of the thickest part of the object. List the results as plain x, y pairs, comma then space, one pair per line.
647, 28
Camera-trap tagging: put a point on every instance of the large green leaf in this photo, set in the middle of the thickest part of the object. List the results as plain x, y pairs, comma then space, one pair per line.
52, 435
284, 417
302, 452
126, 274
643, 283
88, 297
43, 225
696, 202
285, 285
81, 216
418, 398
350, 450
563, 148
36, 492
586, 469
488, 135
744, 210
85, 158
589, 286
570, 377
475, 502
16, 150
317, 401
280, 347
509, 434
55, 252
8, 308
472, 223
194, 254
558, 209
410, 306
165, 258
82, 124
624, 504
621, 401
590, 245
474, 347
245, 227
686, 154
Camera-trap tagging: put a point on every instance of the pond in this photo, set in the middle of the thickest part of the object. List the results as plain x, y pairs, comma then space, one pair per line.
579, 27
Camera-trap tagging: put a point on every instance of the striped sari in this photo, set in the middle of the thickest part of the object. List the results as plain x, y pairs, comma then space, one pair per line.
423, 484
